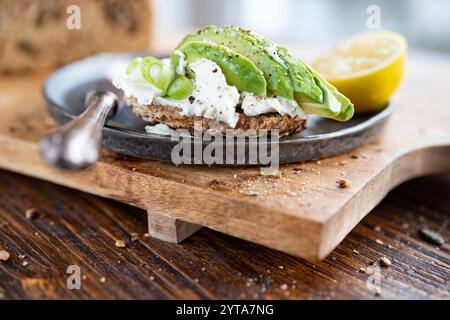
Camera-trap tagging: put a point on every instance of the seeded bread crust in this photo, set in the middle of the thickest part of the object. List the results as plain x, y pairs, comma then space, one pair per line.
170, 116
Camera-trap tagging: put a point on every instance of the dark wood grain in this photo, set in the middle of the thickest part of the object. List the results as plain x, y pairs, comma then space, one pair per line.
77, 228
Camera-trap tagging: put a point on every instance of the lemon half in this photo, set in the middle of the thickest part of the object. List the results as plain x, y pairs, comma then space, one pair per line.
367, 68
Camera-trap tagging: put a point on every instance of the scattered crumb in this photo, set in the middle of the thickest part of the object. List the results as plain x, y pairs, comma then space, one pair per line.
280, 267
196, 280
120, 244
134, 236
379, 241
431, 236
218, 185
385, 262
4, 255
84, 277
377, 228
152, 278
203, 269
133, 169
36, 234
31, 213
21, 256
251, 193
24, 263
355, 251
343, 183
284, 286
102, 279
363, 270
235, 176
147, 235
405, 225
270, 173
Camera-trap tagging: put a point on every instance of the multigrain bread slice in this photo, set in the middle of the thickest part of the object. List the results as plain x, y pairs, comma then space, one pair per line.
171, 117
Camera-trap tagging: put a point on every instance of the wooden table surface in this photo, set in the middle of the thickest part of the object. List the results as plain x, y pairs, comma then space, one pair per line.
74, 228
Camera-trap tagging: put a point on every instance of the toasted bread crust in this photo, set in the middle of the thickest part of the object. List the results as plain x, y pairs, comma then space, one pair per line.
170, 116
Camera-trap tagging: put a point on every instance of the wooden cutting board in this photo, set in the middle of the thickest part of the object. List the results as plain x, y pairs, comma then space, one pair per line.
302, 212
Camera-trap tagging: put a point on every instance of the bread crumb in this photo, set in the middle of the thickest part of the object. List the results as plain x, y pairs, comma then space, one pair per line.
31, 213
134, 236
379, 241
25, 263
363, 270
102, 279
120, 244
152, 278
355, 251
251, 193
284, 286
343, 183
21, 256
385, 262
4, 255
377, 228
147, 235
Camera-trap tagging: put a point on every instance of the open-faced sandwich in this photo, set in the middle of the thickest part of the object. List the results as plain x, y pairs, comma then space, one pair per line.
229, 78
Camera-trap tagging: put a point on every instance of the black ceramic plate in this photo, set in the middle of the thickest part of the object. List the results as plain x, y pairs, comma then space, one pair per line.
66, 88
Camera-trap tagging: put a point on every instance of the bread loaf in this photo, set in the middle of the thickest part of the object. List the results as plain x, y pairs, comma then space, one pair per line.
35, 33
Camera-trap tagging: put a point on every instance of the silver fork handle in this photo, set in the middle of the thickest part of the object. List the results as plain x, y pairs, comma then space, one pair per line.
76, 145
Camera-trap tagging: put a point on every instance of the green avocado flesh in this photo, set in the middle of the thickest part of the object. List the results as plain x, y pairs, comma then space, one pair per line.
238, 70
285, 75
241, 42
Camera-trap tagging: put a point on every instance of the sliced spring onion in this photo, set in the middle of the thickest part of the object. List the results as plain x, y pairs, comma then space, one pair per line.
180, 88
133, 65
156, 72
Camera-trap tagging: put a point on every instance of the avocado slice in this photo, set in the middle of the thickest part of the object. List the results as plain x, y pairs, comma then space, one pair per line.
245, 44
290, 78
238, 70
334, 105
302, 79
314, 94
